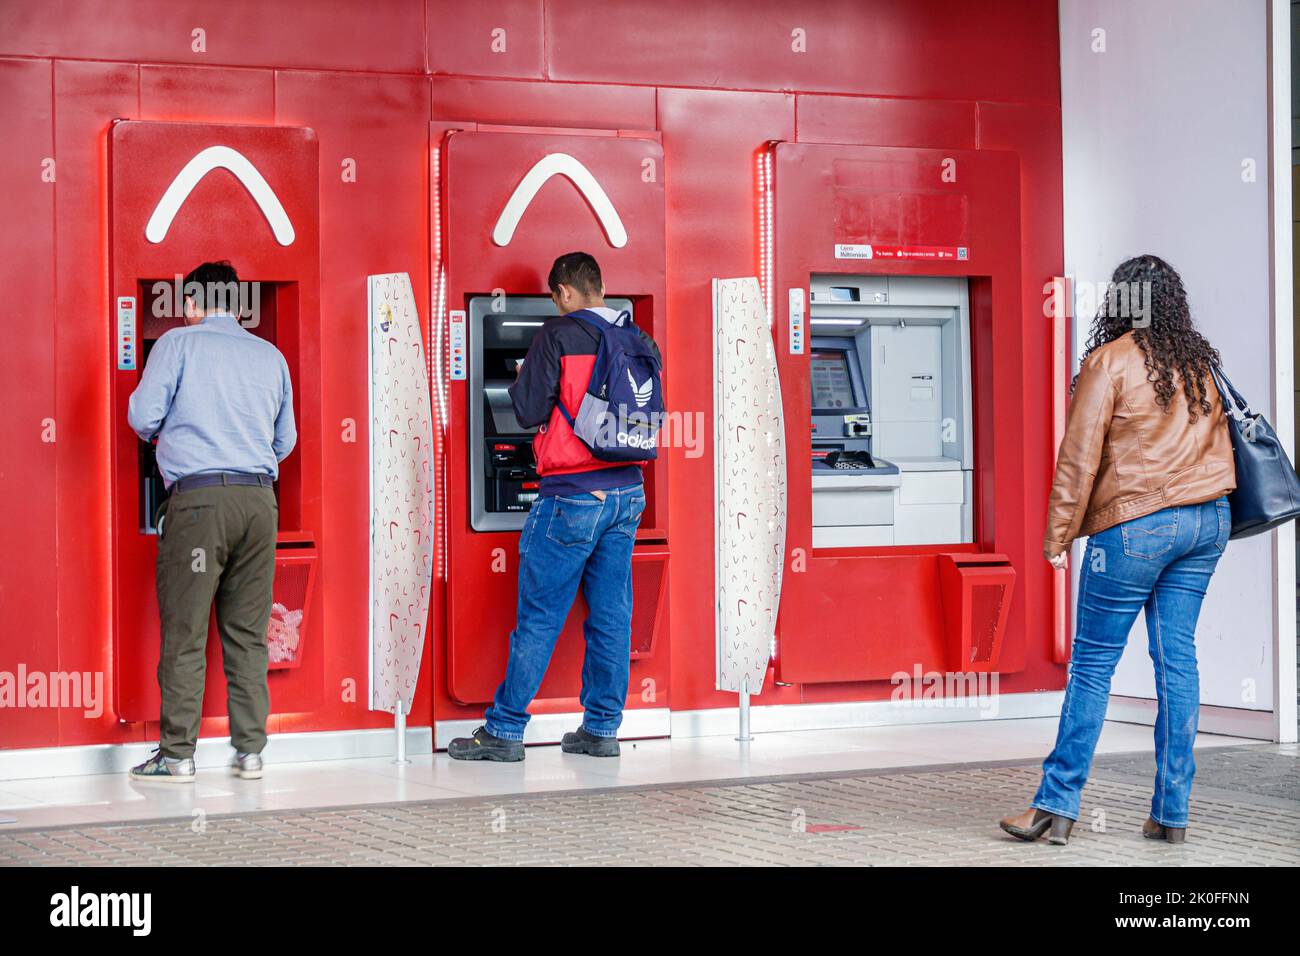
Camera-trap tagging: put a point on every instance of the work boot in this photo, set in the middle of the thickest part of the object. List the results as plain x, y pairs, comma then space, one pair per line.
485, 746
1033, 823
247, 766
160, 769
581, 742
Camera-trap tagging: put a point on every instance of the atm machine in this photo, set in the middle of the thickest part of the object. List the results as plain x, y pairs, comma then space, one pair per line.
894, 277
503, 474
889, 368
507, 202
178, 192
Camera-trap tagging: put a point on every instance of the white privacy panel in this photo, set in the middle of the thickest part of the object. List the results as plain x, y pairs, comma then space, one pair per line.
401, 492
749, 484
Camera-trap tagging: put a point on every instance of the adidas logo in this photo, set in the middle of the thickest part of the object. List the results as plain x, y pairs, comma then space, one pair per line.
635, 440
644, 392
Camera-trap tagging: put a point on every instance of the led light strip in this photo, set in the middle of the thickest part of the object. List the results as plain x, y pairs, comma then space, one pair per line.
766, 257
769, 260
761, 216
437, 260
437, 331
765, 229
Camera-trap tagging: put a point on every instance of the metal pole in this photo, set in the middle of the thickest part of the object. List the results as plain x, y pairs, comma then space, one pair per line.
745, 736
399, 729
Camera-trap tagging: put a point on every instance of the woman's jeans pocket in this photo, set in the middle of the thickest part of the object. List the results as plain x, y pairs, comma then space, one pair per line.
1151, 536
1223, 511
574, 520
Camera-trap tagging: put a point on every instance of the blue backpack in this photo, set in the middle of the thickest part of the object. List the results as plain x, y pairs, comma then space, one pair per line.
623, 406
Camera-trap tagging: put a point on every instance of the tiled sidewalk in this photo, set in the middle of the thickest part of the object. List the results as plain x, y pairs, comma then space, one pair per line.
944, 815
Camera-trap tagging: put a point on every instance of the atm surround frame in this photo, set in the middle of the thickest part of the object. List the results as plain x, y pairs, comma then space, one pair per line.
895, 299
829, 201
143, 157
477, 308
474, 173
275, 295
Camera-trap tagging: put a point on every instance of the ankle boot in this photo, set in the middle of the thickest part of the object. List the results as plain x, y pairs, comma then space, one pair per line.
1033, 823
1158, 831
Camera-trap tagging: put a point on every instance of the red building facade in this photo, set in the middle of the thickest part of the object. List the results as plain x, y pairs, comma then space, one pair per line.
380, 84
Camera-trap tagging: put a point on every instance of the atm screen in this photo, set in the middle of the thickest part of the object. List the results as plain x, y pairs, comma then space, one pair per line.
832, 382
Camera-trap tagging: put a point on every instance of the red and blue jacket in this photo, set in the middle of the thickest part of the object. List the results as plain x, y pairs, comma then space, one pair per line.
558, 369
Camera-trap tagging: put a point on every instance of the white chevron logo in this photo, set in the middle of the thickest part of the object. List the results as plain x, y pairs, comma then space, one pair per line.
203, 163
643, 393
578, 174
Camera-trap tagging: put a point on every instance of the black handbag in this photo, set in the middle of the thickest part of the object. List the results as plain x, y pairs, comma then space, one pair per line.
1268, 490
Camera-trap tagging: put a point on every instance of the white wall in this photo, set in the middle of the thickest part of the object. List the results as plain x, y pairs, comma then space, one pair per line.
1156, 129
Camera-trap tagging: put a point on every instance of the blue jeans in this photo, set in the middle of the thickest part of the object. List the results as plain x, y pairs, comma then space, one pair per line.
1162, 562
567, 541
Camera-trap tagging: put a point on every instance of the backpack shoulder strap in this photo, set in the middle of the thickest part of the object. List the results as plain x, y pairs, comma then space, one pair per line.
593, 325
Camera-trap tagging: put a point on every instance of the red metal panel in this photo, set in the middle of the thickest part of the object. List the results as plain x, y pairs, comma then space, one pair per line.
712, 138
894, 623
510, 102
88, 96
858, 617
503, 38
377, 223
935, 49
876, 121
380, 35
1034, 134
206, 94
1062, 297
29, 429
482, 171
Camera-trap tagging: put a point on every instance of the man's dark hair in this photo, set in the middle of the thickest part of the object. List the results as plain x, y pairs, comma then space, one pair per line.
578, 270
213, 285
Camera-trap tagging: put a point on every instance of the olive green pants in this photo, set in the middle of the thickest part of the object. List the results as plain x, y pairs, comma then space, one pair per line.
215, 543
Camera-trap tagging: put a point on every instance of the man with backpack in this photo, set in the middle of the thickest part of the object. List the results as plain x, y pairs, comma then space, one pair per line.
590, 384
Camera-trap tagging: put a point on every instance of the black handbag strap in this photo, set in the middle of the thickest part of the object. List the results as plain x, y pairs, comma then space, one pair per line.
1233, 403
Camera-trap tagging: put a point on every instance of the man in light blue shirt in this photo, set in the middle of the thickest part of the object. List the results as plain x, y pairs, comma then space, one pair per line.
217, 398
219, 401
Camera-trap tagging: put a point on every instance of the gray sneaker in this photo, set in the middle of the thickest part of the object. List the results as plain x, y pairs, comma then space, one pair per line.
247, 766
160, 769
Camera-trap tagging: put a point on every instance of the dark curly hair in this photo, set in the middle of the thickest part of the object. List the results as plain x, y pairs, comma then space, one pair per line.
1161, 324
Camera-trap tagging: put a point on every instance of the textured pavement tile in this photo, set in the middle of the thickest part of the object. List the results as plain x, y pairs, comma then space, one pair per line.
1249, 814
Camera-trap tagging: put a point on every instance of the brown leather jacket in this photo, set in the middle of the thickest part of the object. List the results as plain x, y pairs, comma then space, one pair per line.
1123, 457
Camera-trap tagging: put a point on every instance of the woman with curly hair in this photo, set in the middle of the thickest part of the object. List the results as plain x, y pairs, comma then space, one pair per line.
1143, 471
